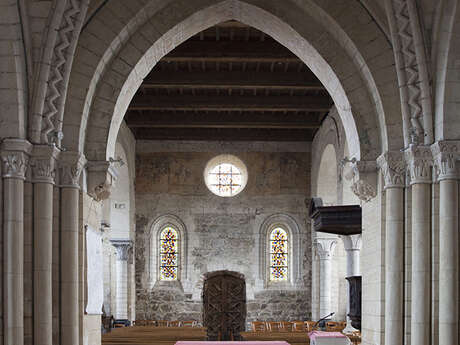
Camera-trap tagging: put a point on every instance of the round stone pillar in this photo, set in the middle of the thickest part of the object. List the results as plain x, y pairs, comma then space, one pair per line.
352, 245
419, 160
70, 167
43, 173
445, 155
392, 166
15, 157
121, 305
325, 249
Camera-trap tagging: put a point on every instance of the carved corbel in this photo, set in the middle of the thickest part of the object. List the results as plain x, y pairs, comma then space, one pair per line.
363, 175
101, 177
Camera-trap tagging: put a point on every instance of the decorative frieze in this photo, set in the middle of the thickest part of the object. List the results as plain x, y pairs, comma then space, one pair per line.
70, 167
325, 247
15, 158
419, 161
445, 156
393, 168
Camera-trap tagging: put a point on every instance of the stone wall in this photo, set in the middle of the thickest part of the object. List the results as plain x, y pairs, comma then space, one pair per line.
221, 233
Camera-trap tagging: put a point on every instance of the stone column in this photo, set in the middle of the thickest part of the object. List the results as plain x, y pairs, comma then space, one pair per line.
352, 245
393, 170
419, 160
70, 167
15, 156
122, 247
43, 173
325, 249
445, 155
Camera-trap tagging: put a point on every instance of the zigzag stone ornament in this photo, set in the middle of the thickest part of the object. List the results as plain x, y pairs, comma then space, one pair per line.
412, 71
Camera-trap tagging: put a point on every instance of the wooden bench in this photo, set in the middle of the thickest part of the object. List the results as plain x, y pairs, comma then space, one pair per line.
293, 338
148, 335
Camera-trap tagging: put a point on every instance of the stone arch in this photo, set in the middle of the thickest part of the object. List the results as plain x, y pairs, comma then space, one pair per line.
447, 85
327, 186
155, 229
14, 74
289, 224
103, 82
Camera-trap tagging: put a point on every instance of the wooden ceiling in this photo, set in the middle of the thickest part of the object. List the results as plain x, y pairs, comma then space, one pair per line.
229, 82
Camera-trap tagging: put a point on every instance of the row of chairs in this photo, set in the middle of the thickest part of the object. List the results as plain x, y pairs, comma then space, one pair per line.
165, 323
295, 326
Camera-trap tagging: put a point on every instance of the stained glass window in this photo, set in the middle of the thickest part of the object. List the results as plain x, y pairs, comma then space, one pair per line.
169, 244
225, 179
278, 255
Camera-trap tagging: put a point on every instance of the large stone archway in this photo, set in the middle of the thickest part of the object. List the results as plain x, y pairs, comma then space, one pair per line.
103, 82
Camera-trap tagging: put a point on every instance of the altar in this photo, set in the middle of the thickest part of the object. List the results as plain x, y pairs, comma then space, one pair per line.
328, 338
232, 342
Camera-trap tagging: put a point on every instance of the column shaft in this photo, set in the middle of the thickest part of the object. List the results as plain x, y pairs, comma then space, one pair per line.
421, 263
325, 287
394, 265
13, 232
122, 289
43, 250
448, 262
69, 266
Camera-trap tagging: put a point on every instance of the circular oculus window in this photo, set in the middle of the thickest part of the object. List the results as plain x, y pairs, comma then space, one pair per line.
225, 175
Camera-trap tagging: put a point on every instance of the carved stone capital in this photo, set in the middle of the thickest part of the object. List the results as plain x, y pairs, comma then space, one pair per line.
393, 168
445, 155
43, 163
352, 242
419, 161
15, 158
325, 247
364, 179
70, 167
100, 179
123, 249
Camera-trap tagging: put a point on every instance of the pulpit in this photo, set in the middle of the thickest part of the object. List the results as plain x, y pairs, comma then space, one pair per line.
355, 301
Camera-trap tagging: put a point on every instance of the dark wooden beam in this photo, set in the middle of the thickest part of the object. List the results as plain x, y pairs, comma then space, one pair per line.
233, 80
235, 103
223, 134
231, 51
153, 119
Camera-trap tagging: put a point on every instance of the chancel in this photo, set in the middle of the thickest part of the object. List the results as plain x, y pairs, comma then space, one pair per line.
202, 171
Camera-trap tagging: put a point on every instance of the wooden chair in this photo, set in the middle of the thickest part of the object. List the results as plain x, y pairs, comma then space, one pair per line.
310, 326
286, 326
259, 326
298, 326
333, 326
191, 323
274, 326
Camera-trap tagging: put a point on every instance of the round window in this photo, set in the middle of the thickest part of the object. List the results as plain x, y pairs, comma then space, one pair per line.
225, 175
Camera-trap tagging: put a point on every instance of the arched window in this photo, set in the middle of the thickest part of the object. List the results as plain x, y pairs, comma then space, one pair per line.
280, 252
279, 255
169, 254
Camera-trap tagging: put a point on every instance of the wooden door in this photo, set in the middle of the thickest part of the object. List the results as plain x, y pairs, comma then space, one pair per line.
224, 305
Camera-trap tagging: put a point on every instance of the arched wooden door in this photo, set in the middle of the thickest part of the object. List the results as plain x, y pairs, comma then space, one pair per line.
224, 305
